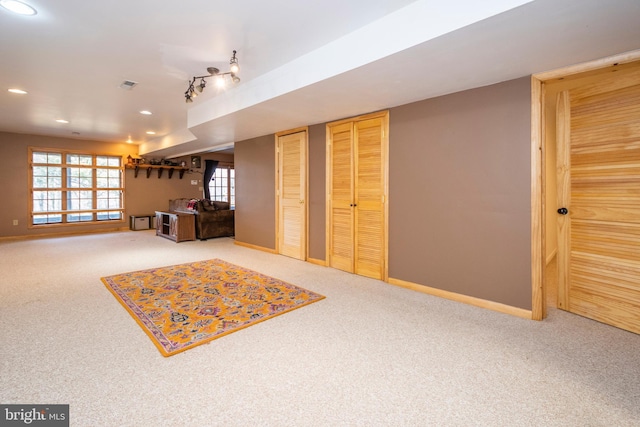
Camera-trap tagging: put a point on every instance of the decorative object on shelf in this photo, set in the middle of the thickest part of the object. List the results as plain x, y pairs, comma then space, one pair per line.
131, 161
220, 78
195, 162
160, 168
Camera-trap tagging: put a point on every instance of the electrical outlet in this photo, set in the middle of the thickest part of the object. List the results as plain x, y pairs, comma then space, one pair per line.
194, 182
15, 222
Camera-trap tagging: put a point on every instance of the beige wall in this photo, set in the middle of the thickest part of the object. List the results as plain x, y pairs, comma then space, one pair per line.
146, 195
142, 195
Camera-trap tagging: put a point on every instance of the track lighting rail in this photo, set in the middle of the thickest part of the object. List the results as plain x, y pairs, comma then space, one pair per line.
220, 78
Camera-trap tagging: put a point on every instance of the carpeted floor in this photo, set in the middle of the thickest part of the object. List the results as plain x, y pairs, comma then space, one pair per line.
370, 354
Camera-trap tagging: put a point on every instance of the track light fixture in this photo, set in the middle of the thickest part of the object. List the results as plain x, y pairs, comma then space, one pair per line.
220, 79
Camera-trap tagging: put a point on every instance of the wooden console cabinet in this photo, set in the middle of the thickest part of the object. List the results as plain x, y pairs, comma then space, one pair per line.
175, 226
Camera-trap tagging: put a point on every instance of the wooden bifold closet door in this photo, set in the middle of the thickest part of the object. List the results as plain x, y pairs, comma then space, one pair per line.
357, 195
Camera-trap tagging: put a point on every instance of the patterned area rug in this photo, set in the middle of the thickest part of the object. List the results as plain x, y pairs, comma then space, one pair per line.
186, 305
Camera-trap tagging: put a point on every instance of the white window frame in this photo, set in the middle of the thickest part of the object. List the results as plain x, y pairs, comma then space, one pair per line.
222, 193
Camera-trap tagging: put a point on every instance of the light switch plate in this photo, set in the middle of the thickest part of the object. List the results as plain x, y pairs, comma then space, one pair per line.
194, 182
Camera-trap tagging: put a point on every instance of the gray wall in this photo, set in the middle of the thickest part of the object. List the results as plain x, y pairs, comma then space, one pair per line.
255, 215
317, 195
459, 193
255, 191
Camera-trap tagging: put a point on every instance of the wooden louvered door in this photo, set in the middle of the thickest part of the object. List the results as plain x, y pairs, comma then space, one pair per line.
340, 204
357, 177
292, 190
369, 189
598, 130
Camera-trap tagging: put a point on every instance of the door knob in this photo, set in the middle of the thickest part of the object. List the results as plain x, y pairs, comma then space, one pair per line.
563, 211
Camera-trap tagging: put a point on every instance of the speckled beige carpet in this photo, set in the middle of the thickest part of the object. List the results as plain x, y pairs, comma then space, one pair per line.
370, 354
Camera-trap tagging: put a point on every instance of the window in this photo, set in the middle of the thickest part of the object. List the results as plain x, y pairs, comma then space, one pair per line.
222, 186
71, 188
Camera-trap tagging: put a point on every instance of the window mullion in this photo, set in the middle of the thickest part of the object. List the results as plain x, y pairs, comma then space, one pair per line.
64, 188
94, 187
229, 184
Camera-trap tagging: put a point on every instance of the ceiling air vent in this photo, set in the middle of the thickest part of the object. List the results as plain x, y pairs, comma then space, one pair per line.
127, 85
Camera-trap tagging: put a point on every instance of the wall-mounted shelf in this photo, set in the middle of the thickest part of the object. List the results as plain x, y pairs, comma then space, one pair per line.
160, 168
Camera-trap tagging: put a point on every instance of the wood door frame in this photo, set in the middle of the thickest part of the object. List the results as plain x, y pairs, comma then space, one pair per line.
306, 189
538, 181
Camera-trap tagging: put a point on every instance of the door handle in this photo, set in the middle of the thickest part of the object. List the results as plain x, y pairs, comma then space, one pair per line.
563, 211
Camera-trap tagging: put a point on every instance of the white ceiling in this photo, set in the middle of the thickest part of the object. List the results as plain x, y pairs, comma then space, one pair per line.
302, 62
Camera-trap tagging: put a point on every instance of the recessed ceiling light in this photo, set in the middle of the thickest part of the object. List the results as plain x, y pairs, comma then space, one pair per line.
18, 91
18, 7
62, 121
146, 112
150, 132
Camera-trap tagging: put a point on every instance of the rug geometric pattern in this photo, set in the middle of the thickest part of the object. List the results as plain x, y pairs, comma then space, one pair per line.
183, 306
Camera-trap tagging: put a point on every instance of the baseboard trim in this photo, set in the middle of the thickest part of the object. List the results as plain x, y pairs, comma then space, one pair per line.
317, 261
465, 299
63, 234
256, 247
